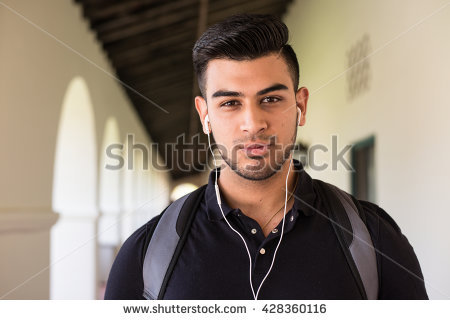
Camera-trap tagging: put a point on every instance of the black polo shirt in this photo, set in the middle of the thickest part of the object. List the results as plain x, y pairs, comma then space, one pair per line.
309, 264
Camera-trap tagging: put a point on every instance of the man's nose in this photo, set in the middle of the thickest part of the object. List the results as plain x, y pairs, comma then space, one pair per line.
253, 120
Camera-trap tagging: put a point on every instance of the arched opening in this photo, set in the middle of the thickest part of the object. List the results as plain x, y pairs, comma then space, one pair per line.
181, 190
145, 190
128, 194
73, 244
111, 164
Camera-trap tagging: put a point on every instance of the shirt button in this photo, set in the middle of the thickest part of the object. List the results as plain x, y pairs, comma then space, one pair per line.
254, 231
292, 218
262, 251
275, 230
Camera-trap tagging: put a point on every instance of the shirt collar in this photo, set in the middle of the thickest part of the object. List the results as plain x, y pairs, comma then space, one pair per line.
304, 194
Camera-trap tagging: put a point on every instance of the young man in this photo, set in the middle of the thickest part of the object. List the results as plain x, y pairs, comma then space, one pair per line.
260, 229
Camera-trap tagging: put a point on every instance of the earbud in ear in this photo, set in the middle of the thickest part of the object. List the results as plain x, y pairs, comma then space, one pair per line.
206, 125
299, 117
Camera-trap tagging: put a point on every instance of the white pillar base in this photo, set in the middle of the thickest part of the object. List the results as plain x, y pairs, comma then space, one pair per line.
73, 258
25, 253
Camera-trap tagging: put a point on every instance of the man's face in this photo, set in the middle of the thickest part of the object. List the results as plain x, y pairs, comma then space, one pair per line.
253, 115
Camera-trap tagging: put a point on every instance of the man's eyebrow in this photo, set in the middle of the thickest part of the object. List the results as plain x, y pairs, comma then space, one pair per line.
224, 93
275, 87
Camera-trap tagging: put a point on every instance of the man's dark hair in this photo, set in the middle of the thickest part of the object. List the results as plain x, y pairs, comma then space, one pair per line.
244, 37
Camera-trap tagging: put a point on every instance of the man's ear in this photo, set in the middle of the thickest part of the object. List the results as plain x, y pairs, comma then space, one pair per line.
301, 97
202, 110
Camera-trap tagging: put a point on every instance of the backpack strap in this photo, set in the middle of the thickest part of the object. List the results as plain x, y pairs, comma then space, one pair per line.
166, 243
354, 238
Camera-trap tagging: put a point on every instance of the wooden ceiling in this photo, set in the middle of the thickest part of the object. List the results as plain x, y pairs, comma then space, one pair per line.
149, 44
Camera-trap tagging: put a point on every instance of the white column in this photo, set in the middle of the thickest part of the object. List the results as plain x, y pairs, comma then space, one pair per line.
24, 252
73, 256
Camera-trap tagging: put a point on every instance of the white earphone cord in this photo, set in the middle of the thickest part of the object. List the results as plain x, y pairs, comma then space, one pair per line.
219, 202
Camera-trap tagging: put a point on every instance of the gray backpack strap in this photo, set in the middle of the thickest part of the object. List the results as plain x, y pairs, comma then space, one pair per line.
361, 246
167, 242
161, 250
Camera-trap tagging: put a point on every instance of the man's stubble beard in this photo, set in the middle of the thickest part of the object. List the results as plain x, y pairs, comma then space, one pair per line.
268, 170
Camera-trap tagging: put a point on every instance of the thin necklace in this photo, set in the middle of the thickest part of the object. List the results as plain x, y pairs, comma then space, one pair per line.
295, 186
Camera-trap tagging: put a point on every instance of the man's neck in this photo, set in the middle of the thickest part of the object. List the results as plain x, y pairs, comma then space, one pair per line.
257, 199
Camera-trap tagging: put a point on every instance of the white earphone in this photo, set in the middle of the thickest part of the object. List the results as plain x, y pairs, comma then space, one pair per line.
206, 129
299, 118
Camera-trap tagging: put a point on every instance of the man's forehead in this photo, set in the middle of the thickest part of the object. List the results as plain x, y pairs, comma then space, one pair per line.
225, 63
246, 75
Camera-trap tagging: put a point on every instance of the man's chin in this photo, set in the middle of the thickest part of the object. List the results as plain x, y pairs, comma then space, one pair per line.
255, 168
255, 175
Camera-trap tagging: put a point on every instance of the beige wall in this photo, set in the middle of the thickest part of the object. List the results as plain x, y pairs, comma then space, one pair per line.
36, 67
406, 107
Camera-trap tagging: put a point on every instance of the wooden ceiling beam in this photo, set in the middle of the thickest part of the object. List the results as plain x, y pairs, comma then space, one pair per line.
156, 83
168, 94
108, 10
246, 7
215, 6
159, 128
122, 64
170, 40
274, 8
155, 77
141, 27
163, 96
172, 93
135, 58
163, 9
157, 66
161, 81
152, 36
160, 124
152, 117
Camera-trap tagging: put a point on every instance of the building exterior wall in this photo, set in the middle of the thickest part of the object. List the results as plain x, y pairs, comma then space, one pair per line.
403, 102
44, 45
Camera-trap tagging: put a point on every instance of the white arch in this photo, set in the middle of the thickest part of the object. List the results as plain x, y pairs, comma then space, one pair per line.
109, 184
73, 245
75, 172
128, 195
109, 201
142, 202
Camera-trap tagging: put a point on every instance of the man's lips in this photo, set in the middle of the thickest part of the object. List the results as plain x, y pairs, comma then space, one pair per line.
256, 149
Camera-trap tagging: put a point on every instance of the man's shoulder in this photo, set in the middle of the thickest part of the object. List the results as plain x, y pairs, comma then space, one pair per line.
139, 239
399, 272
401, 276
374, 211
371, 212
379, 223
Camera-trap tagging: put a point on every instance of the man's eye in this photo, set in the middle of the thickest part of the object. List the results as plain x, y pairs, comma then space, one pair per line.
270, 99
231, 103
